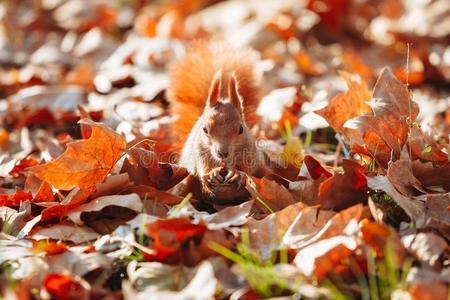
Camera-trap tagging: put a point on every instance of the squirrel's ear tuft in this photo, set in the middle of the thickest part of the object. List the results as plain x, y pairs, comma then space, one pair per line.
233, 92
214, 89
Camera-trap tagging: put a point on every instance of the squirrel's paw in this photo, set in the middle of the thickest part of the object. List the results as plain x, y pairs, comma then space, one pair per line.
235, 177
214, 177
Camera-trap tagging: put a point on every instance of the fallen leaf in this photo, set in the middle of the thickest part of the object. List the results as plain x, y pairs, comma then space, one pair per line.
311, 175
386, 130
348, 105
379, 237
429, 291
308, 222
168, 237
64, 231
426, 148
401, 176
271, 193
343, 223
344, 190
14, 199
63, 287
266, 235
426, 246
49, 247
202, 286
130, 201
148, 170
413, 207
41, 190
322, 257
84, 163
431, 176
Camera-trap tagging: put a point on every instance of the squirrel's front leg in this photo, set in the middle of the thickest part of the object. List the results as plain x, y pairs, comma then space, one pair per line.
223, 185
235, 177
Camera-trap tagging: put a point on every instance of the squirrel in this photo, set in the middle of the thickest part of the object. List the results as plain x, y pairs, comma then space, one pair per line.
214, 95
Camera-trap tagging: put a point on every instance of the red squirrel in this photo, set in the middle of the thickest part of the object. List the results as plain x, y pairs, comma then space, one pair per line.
214, 95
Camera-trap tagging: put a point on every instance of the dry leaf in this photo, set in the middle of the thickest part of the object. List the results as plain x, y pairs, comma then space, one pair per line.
413, 207
344, 190
348, 105
386, 129
84, 163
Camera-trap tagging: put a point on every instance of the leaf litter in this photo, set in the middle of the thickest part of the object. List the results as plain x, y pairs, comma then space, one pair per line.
355, 103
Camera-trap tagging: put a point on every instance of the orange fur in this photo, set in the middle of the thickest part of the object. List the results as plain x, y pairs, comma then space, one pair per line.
191, 77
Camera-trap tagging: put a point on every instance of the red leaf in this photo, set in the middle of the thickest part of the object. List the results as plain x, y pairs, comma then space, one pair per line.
315, 169
169, 235
15, 199
62, 287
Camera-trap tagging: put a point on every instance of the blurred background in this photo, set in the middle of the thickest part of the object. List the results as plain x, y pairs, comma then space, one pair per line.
111, 57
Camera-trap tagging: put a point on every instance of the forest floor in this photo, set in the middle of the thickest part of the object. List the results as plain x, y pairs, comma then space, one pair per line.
355, 104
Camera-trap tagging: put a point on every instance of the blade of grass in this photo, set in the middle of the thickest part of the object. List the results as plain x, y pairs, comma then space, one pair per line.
180, 205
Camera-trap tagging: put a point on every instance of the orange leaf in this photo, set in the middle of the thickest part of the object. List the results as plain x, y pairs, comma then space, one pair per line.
348, 105
378, 236
84, 163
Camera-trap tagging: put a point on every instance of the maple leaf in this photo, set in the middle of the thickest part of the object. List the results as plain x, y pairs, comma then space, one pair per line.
84, 163
346, 106
386, 130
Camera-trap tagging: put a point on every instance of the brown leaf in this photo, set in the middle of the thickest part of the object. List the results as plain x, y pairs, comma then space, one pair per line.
308, 222
84, 163
64, 288
379, 236
146, 169
311, 175
172, 240
130, 201
344, 222
65, 232
151, 193
426, 246
430, 175
413, 207
344, 190
41, 190
429, 291
437, 213
401, 176
266, 234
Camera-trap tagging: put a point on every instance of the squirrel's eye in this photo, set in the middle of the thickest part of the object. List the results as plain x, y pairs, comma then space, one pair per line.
205, 130
241, 129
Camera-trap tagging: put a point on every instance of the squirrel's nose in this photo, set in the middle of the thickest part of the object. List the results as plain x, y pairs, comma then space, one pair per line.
223, 154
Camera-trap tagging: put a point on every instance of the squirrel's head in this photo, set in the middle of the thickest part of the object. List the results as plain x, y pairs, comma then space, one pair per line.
223, 123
